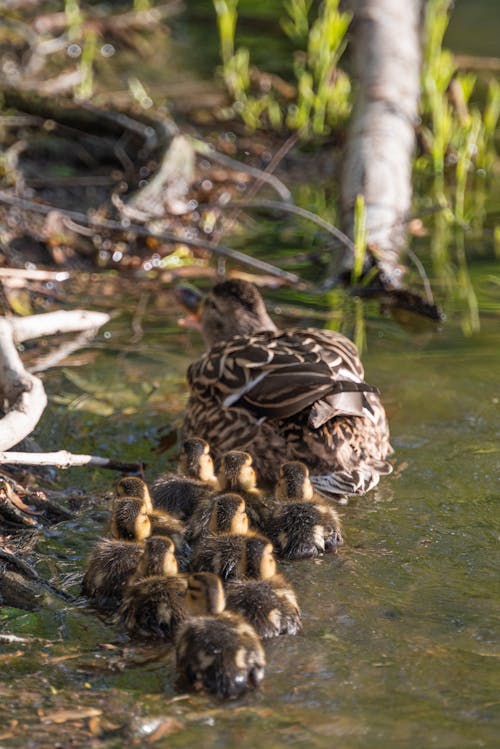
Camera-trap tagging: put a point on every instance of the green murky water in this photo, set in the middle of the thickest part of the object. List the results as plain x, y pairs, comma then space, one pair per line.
400, 641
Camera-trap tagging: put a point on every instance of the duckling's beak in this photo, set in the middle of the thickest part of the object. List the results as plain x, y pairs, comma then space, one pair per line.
190, 299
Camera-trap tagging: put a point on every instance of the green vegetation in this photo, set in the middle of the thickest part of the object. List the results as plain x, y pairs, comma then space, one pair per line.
321, 98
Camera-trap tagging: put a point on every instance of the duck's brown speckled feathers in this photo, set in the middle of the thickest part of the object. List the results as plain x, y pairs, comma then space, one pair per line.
270, 606
217, 651
294, 395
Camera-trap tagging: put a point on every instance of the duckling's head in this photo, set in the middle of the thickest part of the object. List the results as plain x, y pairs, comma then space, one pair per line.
294, 483
196, 462
158, 557
133, 486
257, 562
205, 594
229, 515
233, 307
237, 472
130, 520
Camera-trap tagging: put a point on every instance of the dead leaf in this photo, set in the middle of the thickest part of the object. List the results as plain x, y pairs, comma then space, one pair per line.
63, 716
95, 726
8, 656
165, 728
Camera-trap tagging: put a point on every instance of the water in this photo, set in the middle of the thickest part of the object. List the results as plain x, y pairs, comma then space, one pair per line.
400, 640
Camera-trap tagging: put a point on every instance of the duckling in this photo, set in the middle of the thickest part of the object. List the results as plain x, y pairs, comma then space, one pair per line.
216, 650
179, 495
235, 557
223, 513
195, 462
237, 474
162, 523
112, 562
301, 524
153, 600
270, 606
268, 603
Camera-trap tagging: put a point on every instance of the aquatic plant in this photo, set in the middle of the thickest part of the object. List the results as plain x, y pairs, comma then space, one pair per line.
322, 95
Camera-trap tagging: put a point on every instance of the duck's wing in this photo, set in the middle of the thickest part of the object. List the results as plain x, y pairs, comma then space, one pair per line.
279, 376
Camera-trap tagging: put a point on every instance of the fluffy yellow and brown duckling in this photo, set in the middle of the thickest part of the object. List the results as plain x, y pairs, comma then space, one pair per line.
222, 513
301, 524
113, 561
153, 600
295, 394
179, 495
235, 556
216, 650
162, 523
268, 602
237, 474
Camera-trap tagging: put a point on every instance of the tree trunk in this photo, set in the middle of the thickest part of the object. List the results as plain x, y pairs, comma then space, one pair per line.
381, 139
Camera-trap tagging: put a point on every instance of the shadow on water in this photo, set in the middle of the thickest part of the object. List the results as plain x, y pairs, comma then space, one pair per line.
400, 640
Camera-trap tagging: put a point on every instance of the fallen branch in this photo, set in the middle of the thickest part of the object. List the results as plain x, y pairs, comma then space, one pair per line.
53, 323
22, 391
64, 459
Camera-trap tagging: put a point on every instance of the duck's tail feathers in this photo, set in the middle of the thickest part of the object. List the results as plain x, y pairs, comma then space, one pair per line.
358, 481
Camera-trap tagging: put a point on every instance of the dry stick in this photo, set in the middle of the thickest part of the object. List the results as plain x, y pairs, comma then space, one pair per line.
65, 459
34, 275
141, 231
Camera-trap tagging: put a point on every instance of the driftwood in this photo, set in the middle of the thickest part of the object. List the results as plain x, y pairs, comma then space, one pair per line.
23, 393
65, 459
381, 139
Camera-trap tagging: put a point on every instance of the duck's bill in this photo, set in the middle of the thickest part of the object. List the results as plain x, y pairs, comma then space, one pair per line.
190, 299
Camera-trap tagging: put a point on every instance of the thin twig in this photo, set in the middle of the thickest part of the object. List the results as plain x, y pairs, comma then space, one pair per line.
205, 150
422, 273
275, 205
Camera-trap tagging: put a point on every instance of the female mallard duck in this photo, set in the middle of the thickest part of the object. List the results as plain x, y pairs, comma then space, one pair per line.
285, 395
223, 513
162, 523
153, 600
301, 525
216, 650
235, 557
112, 562
179, 495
